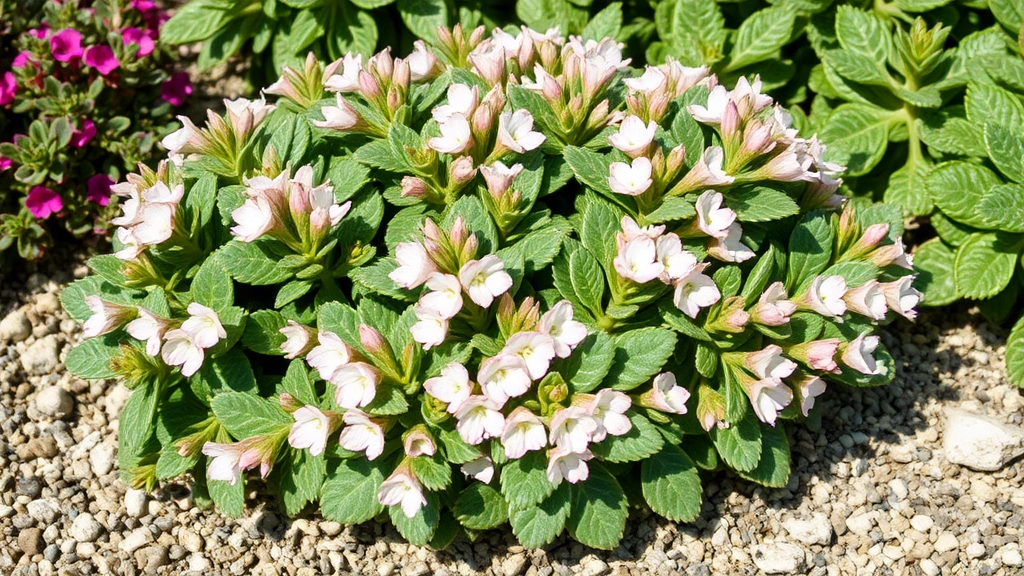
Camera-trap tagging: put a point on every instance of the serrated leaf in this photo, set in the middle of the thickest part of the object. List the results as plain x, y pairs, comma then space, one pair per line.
671, 485
599, 510
639, 355
524, 482
908, 188
761, 35
587, 279
862, 32
760, 204
990, 104
432, 471
420, 528
481, 507
1003, 208
739, 444
773, 468
589, 363
245, 415
1006, 149
984, 264
91, 359
539, 525
212, 286
1015, 354
857, 135
350, 494
810, 249
642, 440
959, 187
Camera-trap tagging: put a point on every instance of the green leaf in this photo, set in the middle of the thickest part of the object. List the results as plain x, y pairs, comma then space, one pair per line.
761, 36
990, 104
605, 23
862, 32
455, 448
298, 382
524, 482
302, 477
958, 188
1003, 208
671, 485
857, 67
230, 372
760, 204
138, 417
639, 355
739, 444
292, 291
589, 363
1009, 13
587, 279
672, 208
420, 528
597, 233
481, 507
246, 415
230, 499
773, 468
212, 286
537, 526
350, 494
263, 332
857, 135
599, 510
810, 249
1006, 149
433, 471
759, 276
642, 440
252, 263
590, 168
92, 358
194, 21
908, 188
423, 17
1015, 354
984, 264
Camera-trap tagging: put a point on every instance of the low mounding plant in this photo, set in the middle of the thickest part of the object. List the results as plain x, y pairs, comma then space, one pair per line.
86, 98
504, 279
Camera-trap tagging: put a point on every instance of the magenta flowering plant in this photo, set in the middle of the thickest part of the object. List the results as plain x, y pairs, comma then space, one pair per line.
505, 279
85, 95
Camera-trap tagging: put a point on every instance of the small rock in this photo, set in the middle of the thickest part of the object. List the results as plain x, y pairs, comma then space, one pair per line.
47, 303
135, 503
30, 541
513, 565
979, 442
330, 528
197, 563
101, 459
779, 558
860, 524
136, 539
815, 530
386, 569
190, 540
1012, 557
30, 487
594, 567
929, 567
15, 327
922, 523
85, 528
42, 511
975, 550
153, 558
41, 356
947, 541
42, 447
54, 402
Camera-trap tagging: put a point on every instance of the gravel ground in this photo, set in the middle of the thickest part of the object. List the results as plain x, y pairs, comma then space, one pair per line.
874, 491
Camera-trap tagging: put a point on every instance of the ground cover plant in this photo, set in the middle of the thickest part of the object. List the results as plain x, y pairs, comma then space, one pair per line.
85, 97
507, 279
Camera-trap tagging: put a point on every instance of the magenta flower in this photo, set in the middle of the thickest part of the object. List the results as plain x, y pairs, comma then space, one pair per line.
8, 86
176, 89
101, 58
66, 45
138, 37
79, 138
5, 163
40, 32
42, 202
23, 58
98, 189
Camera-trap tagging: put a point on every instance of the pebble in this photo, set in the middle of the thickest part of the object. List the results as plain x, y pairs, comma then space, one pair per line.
85, 528
41, 356
815, 530
980, 442
101, 459
198, 563
15, 327
947, 541
513, 565
47, 303
135, 503
386, 569
190, 540
1012, 557
922, 523
860, 525
42, 511
929, 567
136, 539
975, 550
594, 567
30, 541
54, 402
779, 558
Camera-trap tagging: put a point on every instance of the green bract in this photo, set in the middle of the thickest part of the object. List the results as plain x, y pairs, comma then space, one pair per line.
504, 280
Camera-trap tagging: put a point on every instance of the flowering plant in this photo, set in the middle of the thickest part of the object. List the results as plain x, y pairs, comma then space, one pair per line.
87, 96
585, 272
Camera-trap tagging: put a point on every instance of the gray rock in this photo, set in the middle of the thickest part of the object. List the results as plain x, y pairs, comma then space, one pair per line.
135, 503
85, 528
101, 459
30, 487
779, 558
979, 442
153, 558
43, 511
30, 541
42, 356
15, 327
54, 402
42, 447
815, 530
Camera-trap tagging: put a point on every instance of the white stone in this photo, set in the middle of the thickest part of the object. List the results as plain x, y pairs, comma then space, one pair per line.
198, 563
85, 528
41, 356
922, 523
136, 539
929, 567
899, 488
860, 524
101, 459
594, 567
135, 503
947, 541
779, 558
975, 550
1011, 557
54, 402
15, 327
815, 530
979, 442
43, 511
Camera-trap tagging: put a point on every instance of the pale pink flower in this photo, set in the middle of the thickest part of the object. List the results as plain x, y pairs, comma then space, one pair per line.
768, 397
328, 355
536, 350
608, 409
131, 245
452, 386
769, 363
479, 418
818, 354
569, 466
867, 300
156, 224
631, 230
731, 248
485, 279
712, 218
343, 116
565, 332
481, 469
902, 297
224, 461
296, 339
694, 291
637, 260
444, 297
203, 325
630, 179
650, 81
361, 434
810, 388
515, 131
524, 432
499, 177
423, 65
666, 395
414, 265
825, 296
356, 384
677, 263
418, 443
859, 354
430, 328
462, 100
310, 430
504, 376
634, 137
402, 488
893, 254
348, 80
773, 309
708, 171
149, 328
180, 350
106, 316
455, 137
572, 428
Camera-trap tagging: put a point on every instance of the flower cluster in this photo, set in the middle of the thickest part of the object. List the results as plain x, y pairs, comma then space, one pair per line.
589, 282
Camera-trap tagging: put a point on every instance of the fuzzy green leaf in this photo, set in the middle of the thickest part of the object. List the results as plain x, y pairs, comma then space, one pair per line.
639, 355
350, 494
481, 507
671, 485
599, 510
984, 264
539, 525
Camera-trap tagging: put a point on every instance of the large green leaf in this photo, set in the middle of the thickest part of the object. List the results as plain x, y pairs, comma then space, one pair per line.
599, 510
350, 494
959, 187
856, 135
671, 485
984, 264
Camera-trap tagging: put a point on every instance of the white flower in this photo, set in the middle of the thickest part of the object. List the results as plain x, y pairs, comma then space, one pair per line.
244, 114
631, 230
430, 328
772, 308
631, 179
455, 137
203, 326
186, 140
361, 433
825, 295
651, 80
150, 328
106, 316
129, 208
356, 384
414, 265
499, 177
343, 116
132, 247
708, 170
634, 136
254, 218
859, 355
348, 80
502, 377
867, 300
156, 224
902, 297
515, 131
180, 350
637, 260
676, 262
418, 443
328, 355
769, 363
569, 466
296, 339
810, 388
666, 395
310, 430
445, 296
609, 408
572, 428
224, 461
481, 469
769, 397
462, 100
479, 419
535, 348
524, 432
485, 279
452, 386
718, 98
402, 488
565, 332
731, 248
694, 291
161, 193
712, 218
422, 62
